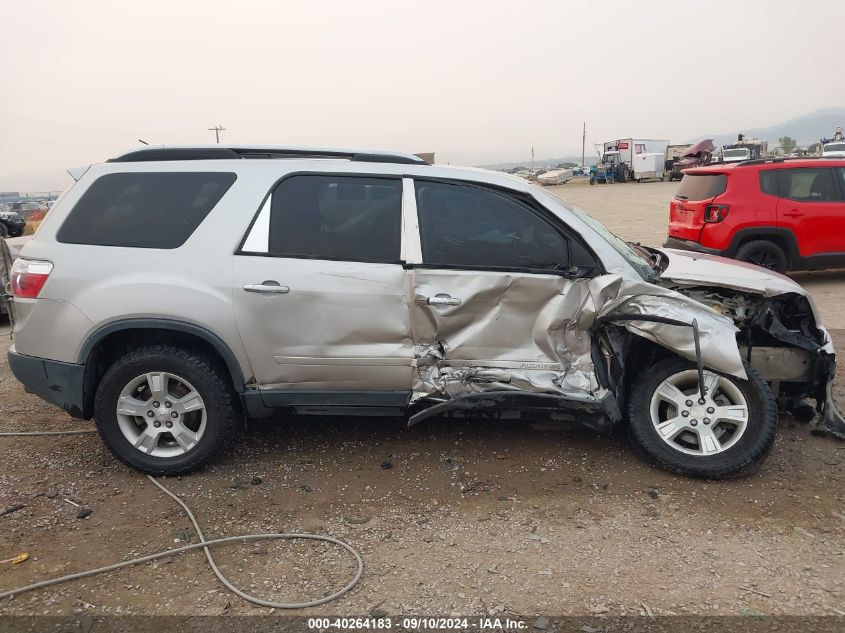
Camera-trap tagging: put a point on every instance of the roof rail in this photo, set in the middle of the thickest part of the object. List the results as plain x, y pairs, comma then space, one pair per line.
782, 159
217, 152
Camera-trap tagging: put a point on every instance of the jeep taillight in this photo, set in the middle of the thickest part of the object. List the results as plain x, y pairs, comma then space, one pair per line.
715, 212
28, 277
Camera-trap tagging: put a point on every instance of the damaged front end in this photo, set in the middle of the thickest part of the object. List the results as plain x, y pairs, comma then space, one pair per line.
779, 336
560, 343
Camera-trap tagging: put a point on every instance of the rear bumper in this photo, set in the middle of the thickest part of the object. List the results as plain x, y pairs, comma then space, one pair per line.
689, 245
56, 382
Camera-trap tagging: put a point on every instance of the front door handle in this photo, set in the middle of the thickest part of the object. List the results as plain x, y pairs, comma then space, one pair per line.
268, 286
440, 299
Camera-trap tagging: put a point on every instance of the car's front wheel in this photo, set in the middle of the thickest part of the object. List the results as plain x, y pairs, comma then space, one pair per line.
165, 410
727, 432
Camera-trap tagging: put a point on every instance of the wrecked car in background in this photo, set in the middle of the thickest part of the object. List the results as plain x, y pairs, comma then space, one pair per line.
695, 156
373, 283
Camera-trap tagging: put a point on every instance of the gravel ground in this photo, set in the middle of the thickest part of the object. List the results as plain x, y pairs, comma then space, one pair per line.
451, 517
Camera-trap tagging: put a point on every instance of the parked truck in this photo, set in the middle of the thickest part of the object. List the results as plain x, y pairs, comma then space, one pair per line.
628, 148
673, 153
744, 149
833, 147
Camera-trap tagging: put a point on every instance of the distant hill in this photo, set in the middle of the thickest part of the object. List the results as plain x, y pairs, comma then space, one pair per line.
806, 129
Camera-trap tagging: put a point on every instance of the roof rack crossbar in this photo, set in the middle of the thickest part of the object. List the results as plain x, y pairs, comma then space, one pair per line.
228, 153
783, 159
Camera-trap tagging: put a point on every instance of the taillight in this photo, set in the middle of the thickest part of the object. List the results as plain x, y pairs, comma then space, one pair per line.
715, 212
28, 277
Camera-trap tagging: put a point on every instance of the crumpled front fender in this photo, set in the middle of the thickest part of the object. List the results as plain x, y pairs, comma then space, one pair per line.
717, 333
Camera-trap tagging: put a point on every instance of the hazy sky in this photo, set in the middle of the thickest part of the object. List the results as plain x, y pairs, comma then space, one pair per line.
474, 81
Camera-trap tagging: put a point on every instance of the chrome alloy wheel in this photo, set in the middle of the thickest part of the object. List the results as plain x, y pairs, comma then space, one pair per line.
698, 425
161, 414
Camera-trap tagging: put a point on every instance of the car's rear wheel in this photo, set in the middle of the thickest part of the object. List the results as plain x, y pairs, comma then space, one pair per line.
165, 410
764, 253
727, 432
4, 232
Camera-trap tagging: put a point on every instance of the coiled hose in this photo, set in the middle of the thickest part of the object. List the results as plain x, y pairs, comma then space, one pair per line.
204, 544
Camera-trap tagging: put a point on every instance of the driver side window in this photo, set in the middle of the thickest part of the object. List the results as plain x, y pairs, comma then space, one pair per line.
466, 226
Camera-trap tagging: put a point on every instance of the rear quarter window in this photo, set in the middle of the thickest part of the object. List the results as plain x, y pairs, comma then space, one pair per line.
769, 182
144, 209
702, 186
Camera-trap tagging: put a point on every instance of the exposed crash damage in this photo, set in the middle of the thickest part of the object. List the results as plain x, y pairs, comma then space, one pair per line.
587, 338
569, 356
780, 338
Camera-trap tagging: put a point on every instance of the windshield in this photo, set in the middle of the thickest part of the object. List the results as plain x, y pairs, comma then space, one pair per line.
735, 153
638, 257
834, 147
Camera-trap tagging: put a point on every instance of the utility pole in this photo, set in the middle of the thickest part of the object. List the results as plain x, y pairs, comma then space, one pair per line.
583, 144
217, 129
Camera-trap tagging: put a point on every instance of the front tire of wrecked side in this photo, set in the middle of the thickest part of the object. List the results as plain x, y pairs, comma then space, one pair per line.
650, 426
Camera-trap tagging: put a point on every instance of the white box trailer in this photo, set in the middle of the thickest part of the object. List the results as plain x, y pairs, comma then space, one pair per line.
630, 147
649, 165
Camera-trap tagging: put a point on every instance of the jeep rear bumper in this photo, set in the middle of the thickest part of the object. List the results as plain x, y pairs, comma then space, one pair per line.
54, 381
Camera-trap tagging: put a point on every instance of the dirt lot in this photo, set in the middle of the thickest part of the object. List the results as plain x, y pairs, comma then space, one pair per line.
469, 517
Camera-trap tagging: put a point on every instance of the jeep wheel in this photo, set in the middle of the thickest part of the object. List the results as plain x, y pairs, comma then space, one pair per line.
727, 433
165, 410
764, 253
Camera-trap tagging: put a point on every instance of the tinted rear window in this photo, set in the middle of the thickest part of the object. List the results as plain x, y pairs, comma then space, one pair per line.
702, 187
769, 182
144, 210
337, 217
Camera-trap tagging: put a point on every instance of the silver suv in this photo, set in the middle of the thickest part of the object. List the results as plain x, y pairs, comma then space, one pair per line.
172, 292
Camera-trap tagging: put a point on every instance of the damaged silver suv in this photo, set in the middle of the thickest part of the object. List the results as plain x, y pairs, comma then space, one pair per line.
172, 292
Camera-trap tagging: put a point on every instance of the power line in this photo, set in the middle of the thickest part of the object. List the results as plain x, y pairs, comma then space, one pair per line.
217, 129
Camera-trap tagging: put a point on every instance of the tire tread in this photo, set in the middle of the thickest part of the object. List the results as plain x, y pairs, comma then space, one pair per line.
639, 417
222, 402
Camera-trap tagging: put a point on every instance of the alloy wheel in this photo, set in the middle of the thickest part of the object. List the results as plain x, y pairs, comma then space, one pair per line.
695, 424
161, 414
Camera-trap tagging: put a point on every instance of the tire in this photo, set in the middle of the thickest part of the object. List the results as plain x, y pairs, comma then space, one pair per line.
739, 452
188, 374
4, 232
764, 253
622, 174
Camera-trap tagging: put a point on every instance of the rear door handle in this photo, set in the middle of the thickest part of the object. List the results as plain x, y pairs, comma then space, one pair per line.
440, 300
268, 287
795, 213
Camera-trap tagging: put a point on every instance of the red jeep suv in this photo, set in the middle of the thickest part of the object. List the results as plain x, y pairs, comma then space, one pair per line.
777, 213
